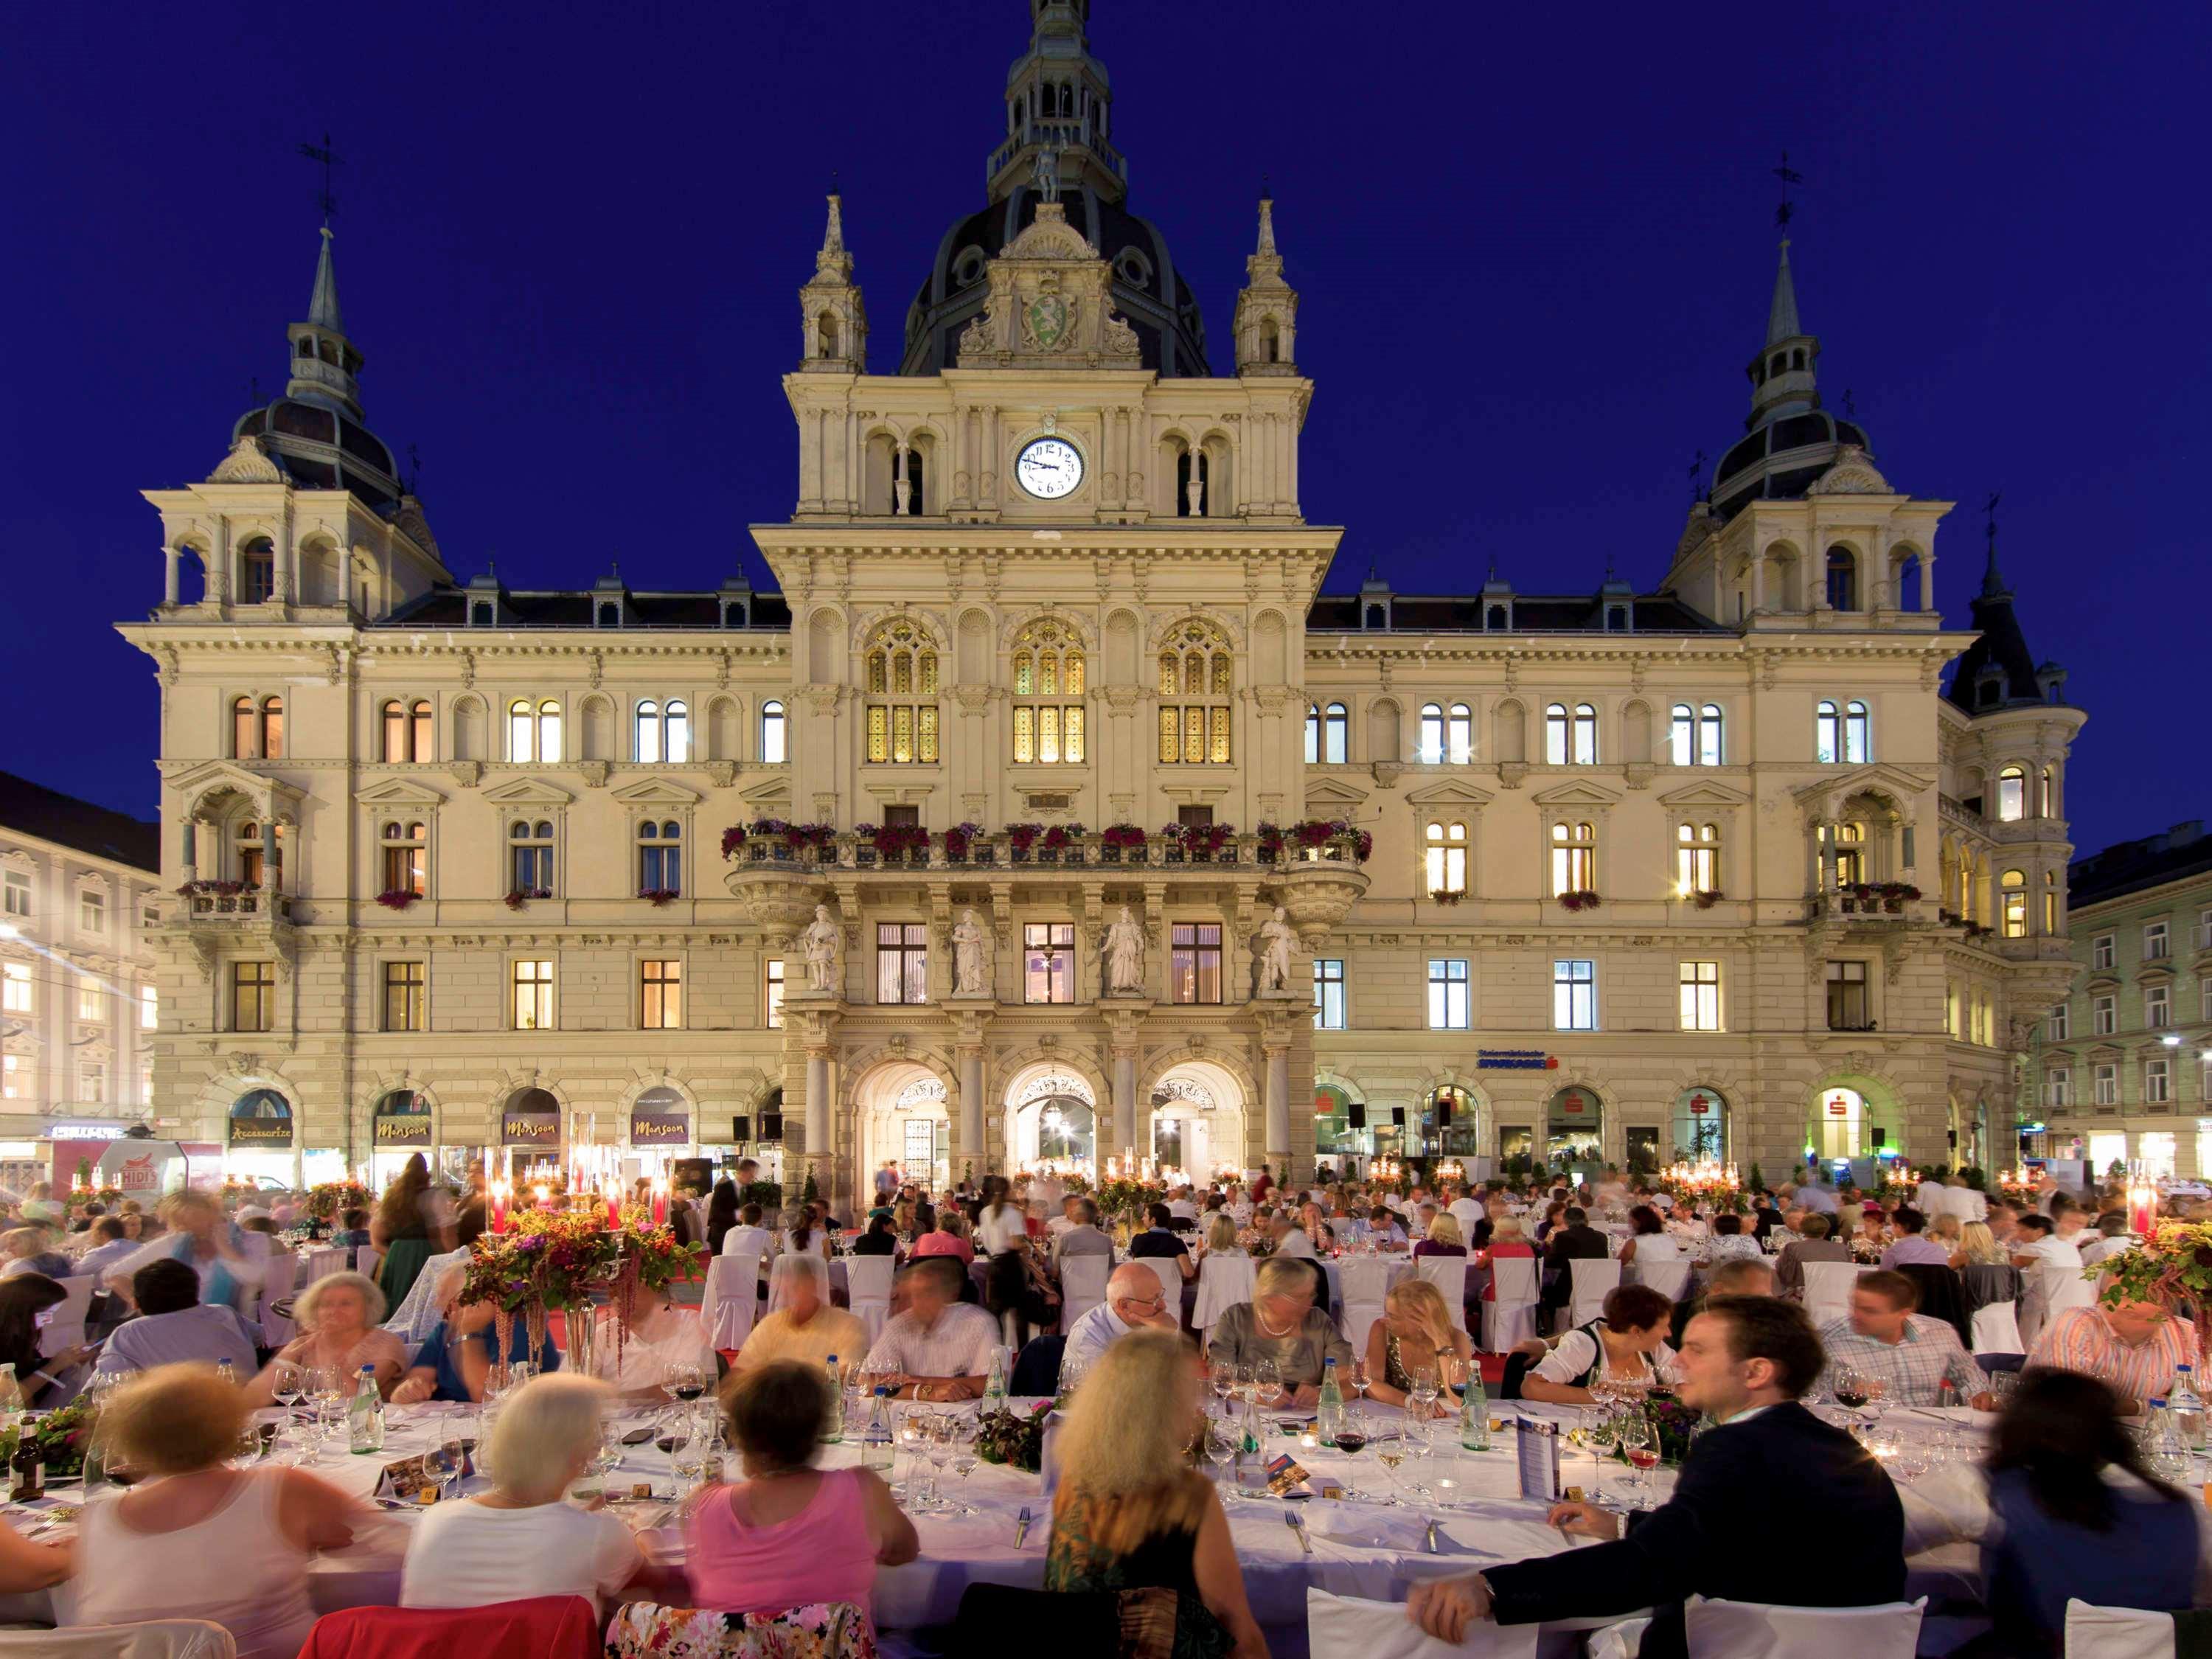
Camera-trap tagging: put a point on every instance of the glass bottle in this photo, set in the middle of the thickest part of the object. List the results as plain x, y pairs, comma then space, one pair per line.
1328, 1411
833, 1425
365, 1416
878, 1449
2187, 1407
1475, 1411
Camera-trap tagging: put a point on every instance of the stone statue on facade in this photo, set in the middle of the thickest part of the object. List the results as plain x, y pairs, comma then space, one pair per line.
971, 960
1048, 174
1125, 955
1276, 941
821, 942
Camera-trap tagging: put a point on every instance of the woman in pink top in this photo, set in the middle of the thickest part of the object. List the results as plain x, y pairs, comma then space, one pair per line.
951, 1238
789, 1534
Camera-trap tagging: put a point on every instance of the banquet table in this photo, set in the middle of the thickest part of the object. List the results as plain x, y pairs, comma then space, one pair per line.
1360, 1548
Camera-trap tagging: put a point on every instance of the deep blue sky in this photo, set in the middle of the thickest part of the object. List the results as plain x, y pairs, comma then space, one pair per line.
1534, 247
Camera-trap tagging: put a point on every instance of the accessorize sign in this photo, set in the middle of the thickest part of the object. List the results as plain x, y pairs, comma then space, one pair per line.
261, 1132
402, 1129
660, 1128
525, 1128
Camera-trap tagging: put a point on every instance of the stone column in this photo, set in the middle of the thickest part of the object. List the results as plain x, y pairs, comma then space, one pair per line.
971, 1106
821, 1137
1278, 1107
191, 849
270, 881
1927, 581
1125, 1099
169, 581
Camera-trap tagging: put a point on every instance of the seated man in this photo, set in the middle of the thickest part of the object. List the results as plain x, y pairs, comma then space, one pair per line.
1161, 1240
1134, 1300
1082, 1236
805, 1327
109, 1246
1909, 1354
1383, 1231
2133, 1346
749, 1237
1290, 1240
1746, 1362
353, 1230
1912, 1242
173, 1324
1281, 1323
1812, 1244
934, 1346
1573, 1240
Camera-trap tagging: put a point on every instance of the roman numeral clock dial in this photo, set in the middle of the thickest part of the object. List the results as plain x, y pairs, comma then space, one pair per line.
1049, 468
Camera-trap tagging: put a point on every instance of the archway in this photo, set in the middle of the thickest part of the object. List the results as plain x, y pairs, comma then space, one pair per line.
1052, 1122
529, 1133
1574, 1127
1195, 1119
1701, 1126
904, 1118
260, 1136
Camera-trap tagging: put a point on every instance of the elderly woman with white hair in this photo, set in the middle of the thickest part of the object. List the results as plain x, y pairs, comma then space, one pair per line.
519, 1540
805, 1326
337, 1317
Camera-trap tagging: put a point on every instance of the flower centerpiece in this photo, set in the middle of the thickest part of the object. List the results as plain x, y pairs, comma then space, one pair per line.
1673, 1423
1005, 1435
326, 1201
556, 1260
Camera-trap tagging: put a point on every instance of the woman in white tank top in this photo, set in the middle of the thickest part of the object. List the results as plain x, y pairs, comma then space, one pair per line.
199, 1539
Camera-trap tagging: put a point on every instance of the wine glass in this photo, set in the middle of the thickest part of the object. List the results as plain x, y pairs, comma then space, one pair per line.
939, 1445
685, 1382
1222, 1437
1640, 1441
913, 1440
1356, 1375
965, 1430
1267, 1383
287, 1382
1421, 1393
443, 1460
1353, 1436
1852, 1388
691, 1453
1222, 1373
1419, 1446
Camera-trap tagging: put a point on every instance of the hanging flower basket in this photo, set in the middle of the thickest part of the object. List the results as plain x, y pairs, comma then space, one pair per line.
398, 898
657, 897
1582, 899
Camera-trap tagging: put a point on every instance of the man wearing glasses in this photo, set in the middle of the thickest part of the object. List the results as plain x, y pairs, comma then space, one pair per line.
1133, 1301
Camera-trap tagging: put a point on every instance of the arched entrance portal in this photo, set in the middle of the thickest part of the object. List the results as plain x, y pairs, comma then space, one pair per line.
1574, 1127
1701, 1126
1842, 1122
1052, 1123
905, 1119
1197, 1123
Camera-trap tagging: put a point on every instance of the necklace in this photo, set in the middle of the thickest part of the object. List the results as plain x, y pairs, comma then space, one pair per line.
1266, 1329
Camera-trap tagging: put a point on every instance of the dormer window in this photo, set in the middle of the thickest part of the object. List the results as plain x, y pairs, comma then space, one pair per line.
609, 613
1616, 619
483, 614
736, 613
1498, 617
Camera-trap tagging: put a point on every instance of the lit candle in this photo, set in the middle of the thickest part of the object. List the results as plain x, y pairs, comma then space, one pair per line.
499, 1190
660, 1203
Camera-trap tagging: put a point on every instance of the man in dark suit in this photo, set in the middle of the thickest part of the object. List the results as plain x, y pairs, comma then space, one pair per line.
1745, 1362
1573, 1240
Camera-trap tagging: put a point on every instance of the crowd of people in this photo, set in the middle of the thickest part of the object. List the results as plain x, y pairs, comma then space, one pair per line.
2064, 1502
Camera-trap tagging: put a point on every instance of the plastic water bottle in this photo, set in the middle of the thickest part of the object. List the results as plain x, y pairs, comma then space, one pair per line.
1475, 1411
995, 1385
877, 1449
2162, 1442
1329, 1413
365, 1415
833, 1427
2187, 1407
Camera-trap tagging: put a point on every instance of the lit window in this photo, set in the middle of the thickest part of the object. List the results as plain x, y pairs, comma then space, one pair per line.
2012, 904
1574, 996
660, 995
533, 732
1048, 962
406, 857
91, 1003
150, 1009
660, 856
1574, 858
1571, 735
1451, 1001
92, 912
530, 858
1697, 858
11, 1079
18, 996
901, 687
1701, 996
1196, 674
1447, 858
772, 733
772, 985
901, 962
1328, 995
660, 734
1049, 677
92, 1079
1841, 734
1695, 735
532, 983
407, 731
405, 1007
252, 996
2012, 795
17, 894
257, 728
1195, 962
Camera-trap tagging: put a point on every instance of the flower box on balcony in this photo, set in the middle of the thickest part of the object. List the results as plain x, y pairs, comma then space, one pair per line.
658, 896
521, 896
398, 898
1582, 899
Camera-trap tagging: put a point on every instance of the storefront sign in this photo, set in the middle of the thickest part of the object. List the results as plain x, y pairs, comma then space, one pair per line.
1516, 1060
403, 1129
1839, 1107
660, 1128
84, 1131
527, 1128
1699, 1106
261, 1132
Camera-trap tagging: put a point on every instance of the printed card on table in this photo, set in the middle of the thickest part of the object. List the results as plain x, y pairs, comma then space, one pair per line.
407, 1479
1284, 1474
1536, 1447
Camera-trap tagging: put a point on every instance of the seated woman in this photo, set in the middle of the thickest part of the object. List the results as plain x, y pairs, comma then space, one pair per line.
1730, 1241
1130, 1513
950, 1238
519, 1539
1648, 1242
1220, 1236
454, 1362
337, 1317
1627, 1342
1444, 1237
880, 1239
805, 1327
48, 1381
1281, 1324
789, 1534
662, 1344
197, 1539
1507, 1243
804, 1232
1416, 1334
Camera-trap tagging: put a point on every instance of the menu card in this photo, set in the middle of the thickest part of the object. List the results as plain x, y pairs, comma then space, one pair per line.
1536, 1447
410, 1478
1285, 1473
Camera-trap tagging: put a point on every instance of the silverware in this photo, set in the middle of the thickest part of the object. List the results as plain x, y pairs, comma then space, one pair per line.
1296, 1524
1021, 1526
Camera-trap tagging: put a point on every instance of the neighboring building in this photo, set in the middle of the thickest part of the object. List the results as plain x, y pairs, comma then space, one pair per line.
80, 890
1630, 846
2123, 1066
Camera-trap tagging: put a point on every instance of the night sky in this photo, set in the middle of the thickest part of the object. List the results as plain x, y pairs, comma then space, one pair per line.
1534, 247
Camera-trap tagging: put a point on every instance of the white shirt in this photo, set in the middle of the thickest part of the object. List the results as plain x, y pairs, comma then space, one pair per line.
1183, 1207
1655, 1247
2100, 1247
469, 1555
670, 1338
1578, 1349
1091, 1335
749, 1241
996, 1231
2059, 1252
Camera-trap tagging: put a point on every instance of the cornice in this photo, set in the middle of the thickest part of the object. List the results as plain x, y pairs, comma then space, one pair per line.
1655, 648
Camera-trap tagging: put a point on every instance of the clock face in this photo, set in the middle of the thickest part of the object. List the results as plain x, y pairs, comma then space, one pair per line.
1049, 468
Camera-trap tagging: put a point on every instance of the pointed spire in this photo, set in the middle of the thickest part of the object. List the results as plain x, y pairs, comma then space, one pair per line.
323, 304
1267, 311
1782, 315
1267, 249
833, 258
830, 309
1993, 582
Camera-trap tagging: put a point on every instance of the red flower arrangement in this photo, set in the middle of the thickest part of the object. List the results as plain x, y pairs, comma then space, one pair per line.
1582, 899
893, 840
521, 896
658, 896
1121, 836
1062, 835
398, 898
1307, 834
1022, 836
959, 837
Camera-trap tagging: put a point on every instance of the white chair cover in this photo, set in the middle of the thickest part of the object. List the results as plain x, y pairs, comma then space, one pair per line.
1593, 1282
1363, 1282
67, 1329
1753, 1630
868, 1286
2117, 1633
1669, 1278
332, 1258
1622, 1641
1996, 1330
1167, 1270
1338, 1625
731, 1300
367, 1260
278, 1280
417, 1317
1449, 1274
156, 1638
1511, 1318
1828, 1290
1082, 1288
1223, 1282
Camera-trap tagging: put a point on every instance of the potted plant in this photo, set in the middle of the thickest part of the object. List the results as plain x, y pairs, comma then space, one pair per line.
657, 897
398, 898
1118, 841
1706, 900
1581, 899
959, 839
1446, 895
1021, 837
518, 897
1270, 837
1058, 840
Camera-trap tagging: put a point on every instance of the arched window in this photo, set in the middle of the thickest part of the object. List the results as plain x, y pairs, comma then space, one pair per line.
1574, 858
256, 571
1907, 594
2012, 904
1447, 858
406, 857
1447, 733
647, 745
257, 728
530, 858
1571, 736
1841, 734
1432, 733
1842, 579
660, 856
1190, 466
1697, 858
1313, 735
1695, 734
661, 733
2012, 795
1196, 677
1335, 735
1049, 680
901, 666
533, 734
407, 731
772, 733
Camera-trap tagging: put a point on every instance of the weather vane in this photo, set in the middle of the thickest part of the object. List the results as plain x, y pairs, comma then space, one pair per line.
1784, 209
327, 158
1990, 518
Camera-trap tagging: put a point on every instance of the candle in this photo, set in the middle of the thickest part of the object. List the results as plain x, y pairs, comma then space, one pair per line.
660, 1203
499, 1195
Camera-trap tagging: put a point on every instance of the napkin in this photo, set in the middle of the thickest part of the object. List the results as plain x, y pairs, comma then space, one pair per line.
1366, 1526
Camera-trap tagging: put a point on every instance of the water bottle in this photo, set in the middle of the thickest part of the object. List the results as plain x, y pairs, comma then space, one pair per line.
1328, 1411
995, 1385
833, 1427
1475, 1411
2162, 1442
2187, 1407
877, 1449
365, 1416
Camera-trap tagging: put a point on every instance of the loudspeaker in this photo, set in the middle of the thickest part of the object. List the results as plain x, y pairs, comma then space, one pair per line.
772, 1127
1355, 1112
741, 1128
1880, 1139
1398, 1116
1443, 1112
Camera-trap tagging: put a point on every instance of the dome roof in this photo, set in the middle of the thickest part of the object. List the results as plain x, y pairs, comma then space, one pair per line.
320, 448
1149, 291
1779, 460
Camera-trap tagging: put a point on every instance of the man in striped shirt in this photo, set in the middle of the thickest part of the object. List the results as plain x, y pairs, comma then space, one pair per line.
2133, 1346
1910, 1354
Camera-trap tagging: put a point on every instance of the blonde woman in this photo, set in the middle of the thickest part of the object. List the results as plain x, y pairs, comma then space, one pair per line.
1444, 1237
1130, 1512
1978, 1247
1415, 1334
338, 1318
1221, 1235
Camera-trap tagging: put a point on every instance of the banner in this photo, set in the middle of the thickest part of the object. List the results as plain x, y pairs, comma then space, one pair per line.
528, 1128
261, 1132
402, 1129
660, 1128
